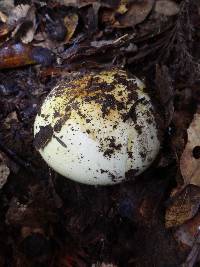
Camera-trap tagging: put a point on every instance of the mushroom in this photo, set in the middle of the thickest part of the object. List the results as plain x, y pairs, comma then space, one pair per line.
98, 128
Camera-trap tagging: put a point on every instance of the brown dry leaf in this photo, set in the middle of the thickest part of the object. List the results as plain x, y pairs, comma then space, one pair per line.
31, 19
6, 6
69, 257
78, 3
10, 119
17, 13
190, 159
108, 17
71, 22
187, 233
166, 7
4, 172
4, 27
184, 206
16, 212
165, 92
69, 2
137, 12
19, 54
104, 265
4, 30
83, 3
23, 19
122, 8
3, 17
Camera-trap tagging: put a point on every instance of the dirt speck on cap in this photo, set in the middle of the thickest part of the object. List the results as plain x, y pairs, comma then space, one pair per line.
43, 137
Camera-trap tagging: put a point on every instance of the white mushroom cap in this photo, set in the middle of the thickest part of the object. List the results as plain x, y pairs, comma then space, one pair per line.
98, 128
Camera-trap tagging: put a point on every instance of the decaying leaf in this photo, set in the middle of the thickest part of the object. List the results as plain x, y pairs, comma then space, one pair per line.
137, 12
183, 207
104, 265
14, 56
16, 212
188, 236
11, 119
20, 54
187, 233
17, 13
165, 92
69, 259
6, 6
108, 17
83, 3
4, 172
3, 17
166, 7
24, 21
4, 29
122, 8
193, 256
71, 22
69, 2
27, 37
190, 159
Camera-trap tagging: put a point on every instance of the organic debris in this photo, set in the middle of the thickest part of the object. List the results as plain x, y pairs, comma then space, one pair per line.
184, 207
190, 159
166, 7
4, 172
48, 220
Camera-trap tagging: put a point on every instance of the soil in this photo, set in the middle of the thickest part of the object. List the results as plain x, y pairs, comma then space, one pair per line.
48, 220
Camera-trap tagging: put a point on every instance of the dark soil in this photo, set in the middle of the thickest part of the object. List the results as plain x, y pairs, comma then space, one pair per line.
48, 220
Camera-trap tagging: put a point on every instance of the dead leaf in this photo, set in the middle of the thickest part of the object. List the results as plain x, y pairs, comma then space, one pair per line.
11, 119
165, 92
184, 206
122, 8
181, 119
70, 22
25, 23
187, 232
104, 265
193, 256
6, 6
3, 17
188, 236
166, 7
20, 54
137, 12
31, 20
108, 17
83, 3
190, 159
16, 212
15, 55
4, 171
69, 2
104, 43
70, 256
4, 30
17, 13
